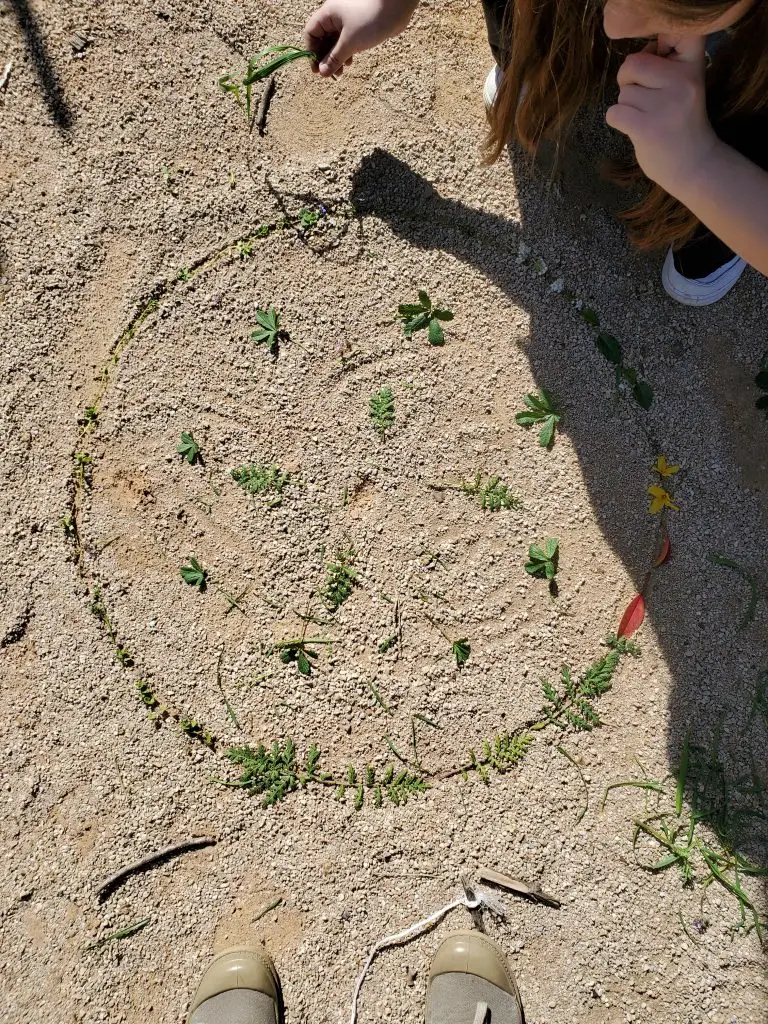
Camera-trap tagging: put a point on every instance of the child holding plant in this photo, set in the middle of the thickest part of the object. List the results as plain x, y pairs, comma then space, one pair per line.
693, 102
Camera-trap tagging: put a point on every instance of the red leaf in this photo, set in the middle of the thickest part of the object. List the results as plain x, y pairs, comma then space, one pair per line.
633, 617
664, 552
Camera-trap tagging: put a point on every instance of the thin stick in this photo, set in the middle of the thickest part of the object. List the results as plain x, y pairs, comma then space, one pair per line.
124, 933
119, 877
260, 121
272, 905
6, 75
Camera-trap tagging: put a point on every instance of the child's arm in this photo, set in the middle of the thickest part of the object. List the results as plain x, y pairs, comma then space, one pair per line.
341, 28
662, 108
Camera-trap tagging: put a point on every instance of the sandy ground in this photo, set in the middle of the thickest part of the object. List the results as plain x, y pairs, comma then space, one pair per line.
121, 165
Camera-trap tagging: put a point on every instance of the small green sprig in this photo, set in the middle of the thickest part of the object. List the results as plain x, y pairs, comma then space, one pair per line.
610, 348
341, 578
572, 703
263, 64
423, 315
491, 493
381, 409
541, 409
263, 479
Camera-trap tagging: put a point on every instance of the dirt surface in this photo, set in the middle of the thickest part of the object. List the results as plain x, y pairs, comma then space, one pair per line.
122, 164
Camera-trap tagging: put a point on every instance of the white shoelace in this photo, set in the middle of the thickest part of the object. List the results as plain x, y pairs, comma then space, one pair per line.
481, 1013
482, 898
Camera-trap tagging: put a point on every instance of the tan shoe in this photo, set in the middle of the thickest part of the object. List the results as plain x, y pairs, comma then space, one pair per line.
241, 986
471, 983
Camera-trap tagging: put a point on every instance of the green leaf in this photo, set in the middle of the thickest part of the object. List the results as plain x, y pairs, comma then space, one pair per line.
643, 393
534, 402
302, 663
526, 418
407, 310
546, 401
188, 447
461, 651
536, 554
194, 574
629, 373
436, 334
442, 314
609, 347
425, 300
762, 380
416, 323
547, 432
550, 547
762, 403
589, 316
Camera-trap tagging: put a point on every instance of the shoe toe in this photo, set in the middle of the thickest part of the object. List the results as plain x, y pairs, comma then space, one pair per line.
473, 953
238, 968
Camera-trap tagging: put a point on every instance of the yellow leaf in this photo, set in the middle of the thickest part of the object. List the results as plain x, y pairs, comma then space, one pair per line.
663, 468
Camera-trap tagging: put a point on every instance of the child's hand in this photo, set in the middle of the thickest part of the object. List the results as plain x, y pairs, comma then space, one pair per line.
341, 28
662, 108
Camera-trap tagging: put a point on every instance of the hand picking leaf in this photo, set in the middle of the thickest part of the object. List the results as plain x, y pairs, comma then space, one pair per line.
188, 448
194, 574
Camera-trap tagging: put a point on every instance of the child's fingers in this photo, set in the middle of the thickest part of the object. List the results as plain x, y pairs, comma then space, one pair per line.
646, 69
625, 119
321, 31
689, 49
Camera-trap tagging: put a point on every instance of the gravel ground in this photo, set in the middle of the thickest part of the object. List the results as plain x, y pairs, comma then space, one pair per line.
123, 164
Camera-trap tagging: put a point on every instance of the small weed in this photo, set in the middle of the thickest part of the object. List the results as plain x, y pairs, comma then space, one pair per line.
69, 526
188, 448
263, 479
674, 832
194, 574
424, 316
83, 470
124, 657
611, 350
541, 410
269, 332
460, 649
184, 274
308, 219
382, 411
341, 578
263, 64
491, 493
298, 650
195, 731
542, 561
572, 703
90, 418
754, 590
623, 645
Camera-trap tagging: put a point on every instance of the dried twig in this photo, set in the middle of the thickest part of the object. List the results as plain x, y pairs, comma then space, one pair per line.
166, 853
6, 75
516, 886
260, 121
